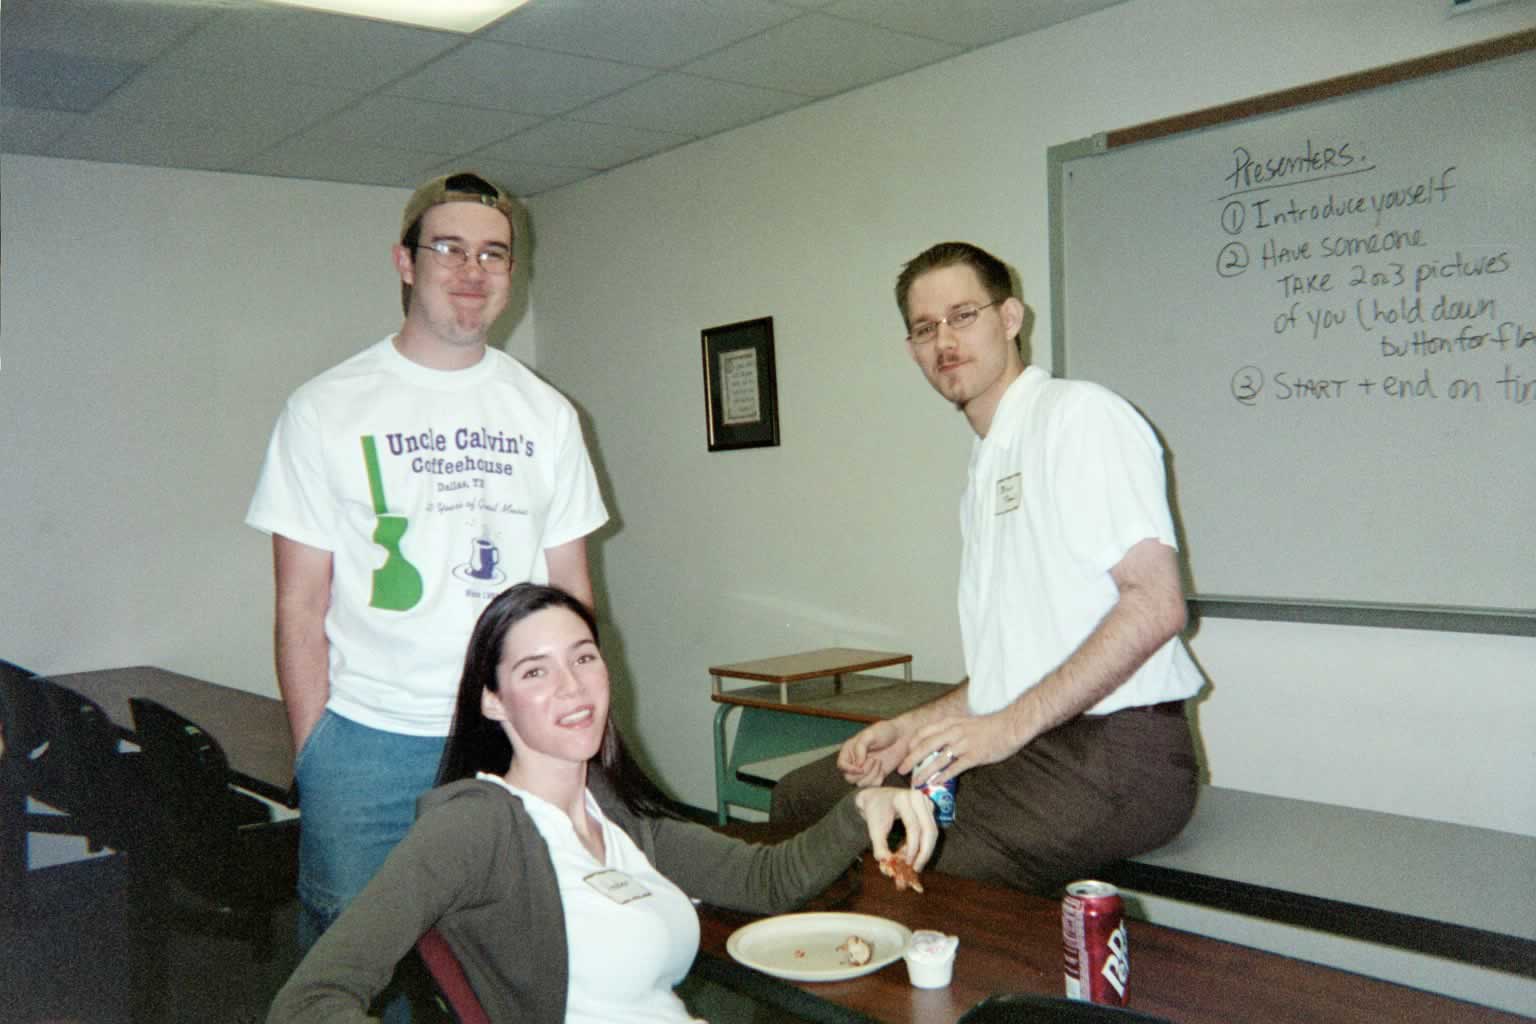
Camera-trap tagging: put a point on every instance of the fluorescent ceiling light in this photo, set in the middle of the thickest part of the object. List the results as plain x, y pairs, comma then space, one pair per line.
453, 15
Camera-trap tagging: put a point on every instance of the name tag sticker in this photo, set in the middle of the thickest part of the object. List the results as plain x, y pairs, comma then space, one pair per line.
617, 886
1010, 493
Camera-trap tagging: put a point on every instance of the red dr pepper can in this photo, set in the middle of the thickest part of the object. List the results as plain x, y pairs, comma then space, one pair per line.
1094, 942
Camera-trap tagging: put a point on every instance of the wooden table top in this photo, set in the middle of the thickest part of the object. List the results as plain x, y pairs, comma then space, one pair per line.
792, 668
252, 729
1010, 941
857, 698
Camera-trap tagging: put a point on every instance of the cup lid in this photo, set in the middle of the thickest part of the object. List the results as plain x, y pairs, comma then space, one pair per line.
931, 946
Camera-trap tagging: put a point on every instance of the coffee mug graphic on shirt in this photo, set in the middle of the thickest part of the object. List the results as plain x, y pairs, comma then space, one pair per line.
483, 565
483, 559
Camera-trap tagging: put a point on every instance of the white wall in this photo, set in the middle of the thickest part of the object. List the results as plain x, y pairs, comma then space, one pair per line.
846, 533
153, 322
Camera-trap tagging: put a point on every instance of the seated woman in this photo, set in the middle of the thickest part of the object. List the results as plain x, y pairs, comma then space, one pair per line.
548, 860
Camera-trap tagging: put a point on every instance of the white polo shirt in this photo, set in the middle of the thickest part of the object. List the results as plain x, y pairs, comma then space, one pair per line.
1068, 479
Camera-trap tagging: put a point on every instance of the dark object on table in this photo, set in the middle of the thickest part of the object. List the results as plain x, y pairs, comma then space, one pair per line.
1021, 1008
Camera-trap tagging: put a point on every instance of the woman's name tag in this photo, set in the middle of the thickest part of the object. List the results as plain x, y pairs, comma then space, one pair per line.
617, 886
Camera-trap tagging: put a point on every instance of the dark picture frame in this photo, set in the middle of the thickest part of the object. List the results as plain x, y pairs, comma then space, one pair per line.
741, 390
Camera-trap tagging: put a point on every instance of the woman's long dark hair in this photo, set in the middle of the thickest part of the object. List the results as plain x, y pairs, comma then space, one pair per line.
477, 744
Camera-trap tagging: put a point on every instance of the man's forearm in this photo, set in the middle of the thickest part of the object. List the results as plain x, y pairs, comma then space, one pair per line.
303, 585
303, 674
1149, 612
569, 571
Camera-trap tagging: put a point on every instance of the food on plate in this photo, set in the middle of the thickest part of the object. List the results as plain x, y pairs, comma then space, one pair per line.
900, 870
856, 950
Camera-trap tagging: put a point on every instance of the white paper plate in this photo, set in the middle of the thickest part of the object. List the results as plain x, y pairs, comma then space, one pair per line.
803, 947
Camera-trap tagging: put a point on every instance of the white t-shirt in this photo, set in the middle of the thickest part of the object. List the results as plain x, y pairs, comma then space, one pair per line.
632, 934
1068, 479
474, 474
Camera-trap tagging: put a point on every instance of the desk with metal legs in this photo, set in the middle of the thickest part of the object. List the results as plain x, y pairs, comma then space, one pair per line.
800, 702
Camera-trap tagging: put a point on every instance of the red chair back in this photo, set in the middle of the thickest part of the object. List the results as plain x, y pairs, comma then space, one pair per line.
450, 979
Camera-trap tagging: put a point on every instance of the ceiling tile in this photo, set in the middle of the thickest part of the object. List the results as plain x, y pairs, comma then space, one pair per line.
292, 45
113, 30
820, 56
45, 80
582, 144
657, 33
35, 131
419, 125
358, 163
260, 111
517, 78
965, 22
686, 105
134, 141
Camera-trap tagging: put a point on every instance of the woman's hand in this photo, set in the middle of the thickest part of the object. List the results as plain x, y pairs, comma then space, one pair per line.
882, 806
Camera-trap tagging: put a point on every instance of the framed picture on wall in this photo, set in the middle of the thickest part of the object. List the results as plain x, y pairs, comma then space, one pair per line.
741, 391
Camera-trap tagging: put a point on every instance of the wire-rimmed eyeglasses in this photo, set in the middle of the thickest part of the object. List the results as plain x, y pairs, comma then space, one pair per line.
923, 332
453, 256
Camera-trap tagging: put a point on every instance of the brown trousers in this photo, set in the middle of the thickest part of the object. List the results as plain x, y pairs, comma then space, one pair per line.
1090, 792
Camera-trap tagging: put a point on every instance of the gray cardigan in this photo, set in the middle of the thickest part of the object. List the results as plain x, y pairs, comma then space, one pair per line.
475, 866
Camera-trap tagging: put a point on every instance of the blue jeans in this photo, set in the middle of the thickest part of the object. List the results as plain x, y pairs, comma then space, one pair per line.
357, 799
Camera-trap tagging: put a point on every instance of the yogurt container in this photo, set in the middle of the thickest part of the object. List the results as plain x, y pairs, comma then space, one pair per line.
930, 958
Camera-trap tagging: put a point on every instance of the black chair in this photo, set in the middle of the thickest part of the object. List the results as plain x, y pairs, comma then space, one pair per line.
60, 749
23, 740
22, 715
207, 841
86, 775
56, 745
1023, 1008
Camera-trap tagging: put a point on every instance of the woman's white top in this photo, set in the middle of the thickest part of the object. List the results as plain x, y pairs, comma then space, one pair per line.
632, 934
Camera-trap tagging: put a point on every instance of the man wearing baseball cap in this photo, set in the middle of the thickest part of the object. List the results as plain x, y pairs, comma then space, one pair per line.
403, 489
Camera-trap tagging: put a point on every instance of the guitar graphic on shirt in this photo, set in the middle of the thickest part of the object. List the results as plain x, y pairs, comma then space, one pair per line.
396, 583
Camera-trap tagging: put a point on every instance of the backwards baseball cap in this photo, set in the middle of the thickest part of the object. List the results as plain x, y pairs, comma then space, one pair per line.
459, 187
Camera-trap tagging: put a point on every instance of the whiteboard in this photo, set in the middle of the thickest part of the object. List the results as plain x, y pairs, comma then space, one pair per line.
1328, 314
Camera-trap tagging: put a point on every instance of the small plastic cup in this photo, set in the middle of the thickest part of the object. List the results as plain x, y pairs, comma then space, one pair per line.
931, 959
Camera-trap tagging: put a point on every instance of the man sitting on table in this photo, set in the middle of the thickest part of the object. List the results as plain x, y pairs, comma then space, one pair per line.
1068, 736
